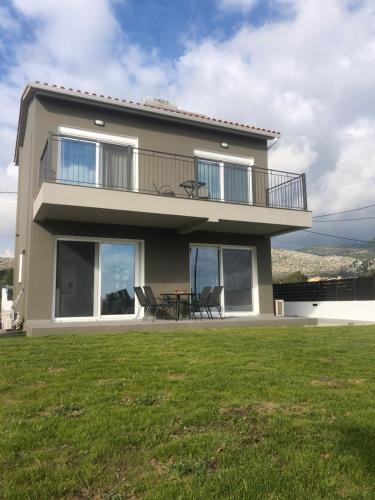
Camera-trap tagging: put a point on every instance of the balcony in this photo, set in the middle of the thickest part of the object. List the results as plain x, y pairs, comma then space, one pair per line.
186, 192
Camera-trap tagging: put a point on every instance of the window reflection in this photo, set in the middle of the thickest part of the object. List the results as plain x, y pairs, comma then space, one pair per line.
117, 278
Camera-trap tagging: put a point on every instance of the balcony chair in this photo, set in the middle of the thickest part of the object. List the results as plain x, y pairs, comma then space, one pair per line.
214, 301
164, 190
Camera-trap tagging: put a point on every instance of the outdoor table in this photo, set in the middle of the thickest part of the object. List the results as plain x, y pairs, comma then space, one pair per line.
177, 295
189, 187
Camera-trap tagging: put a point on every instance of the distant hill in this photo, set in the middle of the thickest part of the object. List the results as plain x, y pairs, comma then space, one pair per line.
6, 263
286, 262
359, 251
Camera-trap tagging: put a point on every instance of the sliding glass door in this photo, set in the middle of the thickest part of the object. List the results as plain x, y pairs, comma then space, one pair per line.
204, 267
89, 163
225, 181
237, 279
96, 278
75, 269
118, 274
78, 162
231, 267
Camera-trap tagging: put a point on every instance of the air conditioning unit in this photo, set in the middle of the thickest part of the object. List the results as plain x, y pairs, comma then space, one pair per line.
279, 308
7, 318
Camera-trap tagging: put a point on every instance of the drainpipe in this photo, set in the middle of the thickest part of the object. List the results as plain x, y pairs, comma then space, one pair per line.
274, 141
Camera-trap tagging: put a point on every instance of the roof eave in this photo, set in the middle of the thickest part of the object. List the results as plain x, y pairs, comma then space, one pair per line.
33, 89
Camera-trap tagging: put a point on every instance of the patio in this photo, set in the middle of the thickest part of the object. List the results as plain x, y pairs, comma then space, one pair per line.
44, 328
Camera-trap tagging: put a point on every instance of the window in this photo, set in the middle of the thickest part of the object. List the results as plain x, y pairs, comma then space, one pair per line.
90, 159
232, 267
226, 178
78, 162
96, 278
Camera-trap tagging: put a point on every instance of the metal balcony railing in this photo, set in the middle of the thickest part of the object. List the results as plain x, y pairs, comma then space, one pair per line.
69, 160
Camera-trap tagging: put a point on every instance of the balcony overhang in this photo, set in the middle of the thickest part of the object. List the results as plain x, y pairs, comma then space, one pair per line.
108, 206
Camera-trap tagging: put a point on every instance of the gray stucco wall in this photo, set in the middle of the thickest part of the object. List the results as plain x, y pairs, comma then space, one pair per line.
166, 258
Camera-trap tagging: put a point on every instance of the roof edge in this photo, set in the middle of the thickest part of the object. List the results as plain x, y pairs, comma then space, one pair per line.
194, 119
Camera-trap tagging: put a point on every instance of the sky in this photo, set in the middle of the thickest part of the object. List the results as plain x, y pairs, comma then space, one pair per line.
304, 67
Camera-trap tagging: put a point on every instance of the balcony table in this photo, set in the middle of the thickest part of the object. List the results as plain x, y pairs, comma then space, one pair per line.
189, 187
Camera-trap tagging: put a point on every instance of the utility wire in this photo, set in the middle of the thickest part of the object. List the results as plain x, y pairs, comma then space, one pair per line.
8, 192
343, 212
343, 220
339, 237
346, 185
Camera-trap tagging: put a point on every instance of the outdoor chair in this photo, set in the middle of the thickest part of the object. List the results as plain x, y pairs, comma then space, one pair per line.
165, 190
213, 301
199, 302
203, 193
155, 304
143, 302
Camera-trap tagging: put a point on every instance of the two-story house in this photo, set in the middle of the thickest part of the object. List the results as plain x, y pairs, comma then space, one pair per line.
113, 194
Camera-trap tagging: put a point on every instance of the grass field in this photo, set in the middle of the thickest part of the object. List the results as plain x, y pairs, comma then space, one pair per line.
239, 414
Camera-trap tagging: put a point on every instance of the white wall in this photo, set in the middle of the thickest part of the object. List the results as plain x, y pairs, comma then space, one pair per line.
6, 305
360, 310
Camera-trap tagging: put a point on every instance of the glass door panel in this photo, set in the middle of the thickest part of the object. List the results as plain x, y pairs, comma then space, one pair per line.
118, 271
209, 173
116, 166
78, 162
75, 268
236, 183
237, 280
204, 267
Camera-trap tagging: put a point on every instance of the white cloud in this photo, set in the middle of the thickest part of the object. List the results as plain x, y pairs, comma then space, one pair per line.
295, 156
309, 75
243, 5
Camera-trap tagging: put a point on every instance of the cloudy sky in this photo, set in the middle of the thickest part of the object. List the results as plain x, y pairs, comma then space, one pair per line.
304, 67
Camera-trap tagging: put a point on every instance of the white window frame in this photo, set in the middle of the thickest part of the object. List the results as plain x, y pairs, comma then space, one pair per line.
97, 316
221, 159
254, 275
98, 138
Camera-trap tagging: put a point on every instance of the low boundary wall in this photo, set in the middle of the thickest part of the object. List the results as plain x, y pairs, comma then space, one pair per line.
356, 310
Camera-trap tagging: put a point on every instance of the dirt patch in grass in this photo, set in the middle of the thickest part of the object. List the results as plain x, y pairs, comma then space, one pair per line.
297, 409
160, 468
55, 369
330, 382
260, 408
356, 381
144, 400
64, 410
175, 376
335, 383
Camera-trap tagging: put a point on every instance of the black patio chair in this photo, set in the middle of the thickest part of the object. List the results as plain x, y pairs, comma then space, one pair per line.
199, 302
214, 301
165, 190
143, 302
155, 304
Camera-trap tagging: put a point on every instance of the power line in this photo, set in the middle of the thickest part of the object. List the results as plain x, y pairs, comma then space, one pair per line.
339, 237
343, 212
343, 220
346, 185
8, 192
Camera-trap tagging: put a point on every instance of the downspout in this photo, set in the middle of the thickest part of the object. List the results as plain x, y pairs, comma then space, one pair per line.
275, 140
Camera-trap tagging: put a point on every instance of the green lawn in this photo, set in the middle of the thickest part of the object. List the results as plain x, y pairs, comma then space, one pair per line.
242, 414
